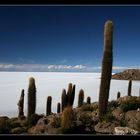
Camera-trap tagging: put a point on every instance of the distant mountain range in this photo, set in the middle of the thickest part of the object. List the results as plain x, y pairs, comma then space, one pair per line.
129, 74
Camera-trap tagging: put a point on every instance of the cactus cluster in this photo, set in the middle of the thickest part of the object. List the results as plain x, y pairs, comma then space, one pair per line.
106, 68
67, 99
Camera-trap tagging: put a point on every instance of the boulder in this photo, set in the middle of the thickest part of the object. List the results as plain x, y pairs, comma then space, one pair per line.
118, 114
124, 131
132, 119
106, 127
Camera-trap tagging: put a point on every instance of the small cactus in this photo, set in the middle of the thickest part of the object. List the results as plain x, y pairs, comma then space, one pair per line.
21, 104
118, 95
31, 98
106, 73
67, 119
88, 100
80, 98
58, 107
129, 87
48, 105
63, 99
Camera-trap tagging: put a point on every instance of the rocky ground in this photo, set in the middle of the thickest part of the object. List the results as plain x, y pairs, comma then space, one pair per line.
130, 74
123, 117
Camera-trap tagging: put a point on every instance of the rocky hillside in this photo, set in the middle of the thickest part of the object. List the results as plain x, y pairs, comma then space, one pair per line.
130, 74
122, 118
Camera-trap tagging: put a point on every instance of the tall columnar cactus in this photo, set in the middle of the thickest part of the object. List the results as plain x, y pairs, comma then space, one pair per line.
58, 107
80, 97
21, 104
63, 99
48, 105
70, 94
118, 95
88, 100
31, 106
106, 73
129, 87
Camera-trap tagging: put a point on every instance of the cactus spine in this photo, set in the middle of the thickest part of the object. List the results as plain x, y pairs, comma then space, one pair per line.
58, 107
129, 87
63, 99
67, 119
80, 98
118, 95
31, 98
88, 100
106, 68
48, 106
21, 104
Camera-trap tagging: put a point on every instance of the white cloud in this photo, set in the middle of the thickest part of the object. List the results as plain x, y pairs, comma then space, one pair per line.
39, 67
79, 67
114, 68
46, 67
119, 68
6, 66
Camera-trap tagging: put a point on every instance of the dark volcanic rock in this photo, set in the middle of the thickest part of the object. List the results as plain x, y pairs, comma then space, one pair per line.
130, 74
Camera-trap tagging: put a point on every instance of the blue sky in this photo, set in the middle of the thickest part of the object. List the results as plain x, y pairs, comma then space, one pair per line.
67, 38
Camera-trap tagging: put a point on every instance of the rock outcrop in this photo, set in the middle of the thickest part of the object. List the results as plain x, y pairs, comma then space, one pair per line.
130, 74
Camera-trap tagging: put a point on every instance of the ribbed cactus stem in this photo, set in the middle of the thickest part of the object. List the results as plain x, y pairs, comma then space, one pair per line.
118, 95
129, 87
80, 97
106, 73
69, 91
63, 99
58, 107
70, 88
31, 106
48, 106
21, 104
72, 96
88, 100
